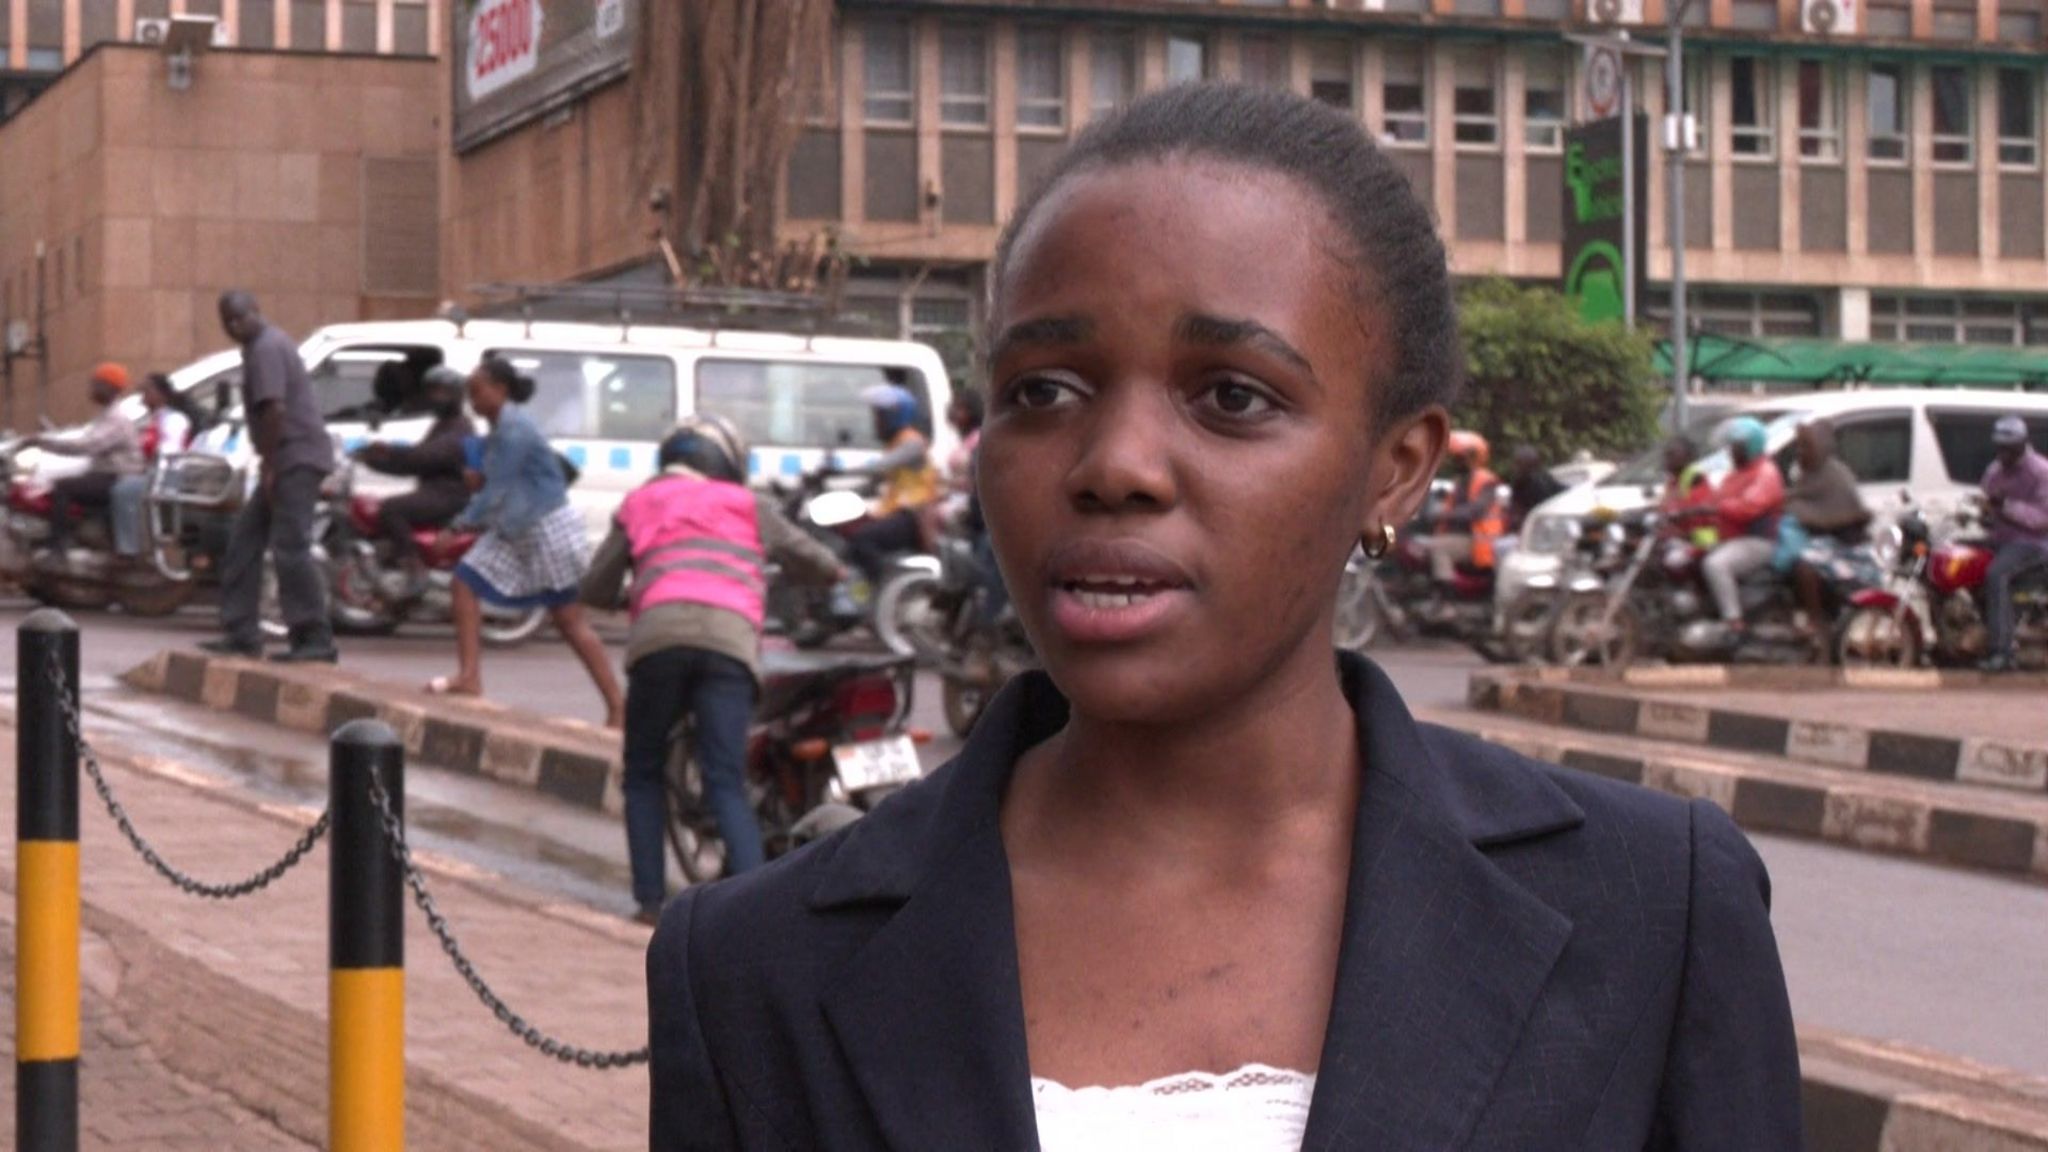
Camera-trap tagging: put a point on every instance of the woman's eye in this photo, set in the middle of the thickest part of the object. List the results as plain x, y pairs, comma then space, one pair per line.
1238, 398
1038, 392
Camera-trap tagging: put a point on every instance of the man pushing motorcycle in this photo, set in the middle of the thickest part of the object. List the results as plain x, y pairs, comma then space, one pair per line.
2016, 499
695, 541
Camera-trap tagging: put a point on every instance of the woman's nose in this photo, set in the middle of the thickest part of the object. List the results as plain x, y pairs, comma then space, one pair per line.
1126, 459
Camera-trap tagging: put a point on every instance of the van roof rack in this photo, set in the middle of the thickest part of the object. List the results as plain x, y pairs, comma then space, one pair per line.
626, 305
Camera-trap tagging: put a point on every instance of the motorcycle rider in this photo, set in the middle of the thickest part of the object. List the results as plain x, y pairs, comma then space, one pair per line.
1532, 484
1471, 520
694, 539
172, 419
111, 449
1746, 508
1687, 493
2016, 496
1825, 521
438, 461
909, 481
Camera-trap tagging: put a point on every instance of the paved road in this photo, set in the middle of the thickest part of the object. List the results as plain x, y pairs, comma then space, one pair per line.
1876, 947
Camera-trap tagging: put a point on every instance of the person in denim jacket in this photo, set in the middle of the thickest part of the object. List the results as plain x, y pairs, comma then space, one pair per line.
533, 550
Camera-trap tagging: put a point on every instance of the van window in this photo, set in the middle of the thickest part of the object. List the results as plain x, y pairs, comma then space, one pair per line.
357, 383
1879, 450
802, 402
1965, 439
598, 395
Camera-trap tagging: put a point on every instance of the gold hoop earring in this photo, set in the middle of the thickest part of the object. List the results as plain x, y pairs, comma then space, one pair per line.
1377, 547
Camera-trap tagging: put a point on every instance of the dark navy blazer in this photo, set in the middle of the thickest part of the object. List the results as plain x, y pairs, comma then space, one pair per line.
1533, 959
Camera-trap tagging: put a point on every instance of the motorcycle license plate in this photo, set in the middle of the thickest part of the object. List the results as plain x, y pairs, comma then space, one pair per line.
873, 763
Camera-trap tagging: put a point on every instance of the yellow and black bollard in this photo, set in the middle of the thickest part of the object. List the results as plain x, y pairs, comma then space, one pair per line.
46, 886
365, 943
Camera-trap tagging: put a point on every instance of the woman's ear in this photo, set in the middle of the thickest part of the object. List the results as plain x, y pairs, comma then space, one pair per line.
1408, 457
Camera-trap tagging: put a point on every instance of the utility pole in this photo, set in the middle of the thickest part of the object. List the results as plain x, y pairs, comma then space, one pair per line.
1674, 159
1629, 209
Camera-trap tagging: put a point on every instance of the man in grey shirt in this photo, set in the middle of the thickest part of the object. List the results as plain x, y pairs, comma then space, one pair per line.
294, 455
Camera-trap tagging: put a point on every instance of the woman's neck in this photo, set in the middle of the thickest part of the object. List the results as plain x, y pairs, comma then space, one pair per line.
1283, 758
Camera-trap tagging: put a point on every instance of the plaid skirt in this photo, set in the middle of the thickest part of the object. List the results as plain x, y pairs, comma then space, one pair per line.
538, 569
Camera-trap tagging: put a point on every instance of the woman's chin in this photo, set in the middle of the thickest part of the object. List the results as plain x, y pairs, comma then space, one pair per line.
1142, 690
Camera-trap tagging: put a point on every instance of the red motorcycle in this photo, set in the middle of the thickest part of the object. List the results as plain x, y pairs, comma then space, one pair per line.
1934, 606
361, 572
829, 742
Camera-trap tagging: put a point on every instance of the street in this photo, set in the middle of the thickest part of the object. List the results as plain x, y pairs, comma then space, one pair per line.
1875, 947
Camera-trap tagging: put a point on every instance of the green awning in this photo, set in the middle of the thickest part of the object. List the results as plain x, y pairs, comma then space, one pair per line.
1823, 362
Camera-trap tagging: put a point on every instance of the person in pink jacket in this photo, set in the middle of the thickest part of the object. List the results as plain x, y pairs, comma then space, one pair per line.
1746, 509
2016, 496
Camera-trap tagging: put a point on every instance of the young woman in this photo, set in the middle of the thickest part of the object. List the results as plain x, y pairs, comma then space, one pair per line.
1204, 883
533, 551
167, 432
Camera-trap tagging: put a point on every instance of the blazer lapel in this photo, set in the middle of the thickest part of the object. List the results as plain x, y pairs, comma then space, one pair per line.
1443, 955
928, 1012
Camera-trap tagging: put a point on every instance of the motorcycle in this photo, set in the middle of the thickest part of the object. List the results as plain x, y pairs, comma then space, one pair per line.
1409, 600
829, 743
1659, 605
1933, 606
360, 568
940, 616
811, 616
88, 575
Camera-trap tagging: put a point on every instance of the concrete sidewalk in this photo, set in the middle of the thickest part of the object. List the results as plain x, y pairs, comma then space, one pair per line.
207, 1021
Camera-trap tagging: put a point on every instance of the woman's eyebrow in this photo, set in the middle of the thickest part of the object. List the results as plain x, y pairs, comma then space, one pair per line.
1048, 331
1198, 328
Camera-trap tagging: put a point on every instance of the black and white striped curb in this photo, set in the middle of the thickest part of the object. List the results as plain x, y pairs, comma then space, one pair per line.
1918, 755
561, 758
1867, 1096
1785, 677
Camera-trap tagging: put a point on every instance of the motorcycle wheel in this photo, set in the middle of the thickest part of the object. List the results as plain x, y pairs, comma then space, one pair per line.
1526, 625
903, 616
964, 705
509, 631
354, 603
1577, 638
1358, 611
63, 592
1877, 638
692, 833
153, 597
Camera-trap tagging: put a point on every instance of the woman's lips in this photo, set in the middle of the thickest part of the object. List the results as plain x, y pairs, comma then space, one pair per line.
1115, 591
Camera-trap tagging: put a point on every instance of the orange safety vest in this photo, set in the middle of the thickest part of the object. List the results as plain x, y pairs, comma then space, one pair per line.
1491, 525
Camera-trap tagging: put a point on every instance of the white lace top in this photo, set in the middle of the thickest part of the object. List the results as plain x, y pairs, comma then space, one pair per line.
1254, 1109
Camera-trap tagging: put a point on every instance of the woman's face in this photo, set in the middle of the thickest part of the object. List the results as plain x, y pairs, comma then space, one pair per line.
153, 397
486, 396
1180, 450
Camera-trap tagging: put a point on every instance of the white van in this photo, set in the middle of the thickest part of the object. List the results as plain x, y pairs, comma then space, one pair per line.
1930, 443
607, 395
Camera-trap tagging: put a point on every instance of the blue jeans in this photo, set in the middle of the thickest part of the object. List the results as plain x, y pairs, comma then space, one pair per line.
995, 597
2011, 561
717, 692
124, 512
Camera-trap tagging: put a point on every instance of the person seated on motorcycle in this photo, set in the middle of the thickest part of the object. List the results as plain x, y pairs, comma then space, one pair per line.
694, 540
111, 448
1746, 508
438, 462
2016, 498
1531, 485
1688, 494
167, 433
950, 510
1824, 524
1470, 522
909, 482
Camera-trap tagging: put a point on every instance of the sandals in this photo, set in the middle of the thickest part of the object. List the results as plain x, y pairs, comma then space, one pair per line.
447, 686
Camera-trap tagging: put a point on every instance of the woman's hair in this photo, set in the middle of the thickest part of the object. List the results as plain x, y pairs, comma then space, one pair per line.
504, 375
969, 400
1400, 264
179, 402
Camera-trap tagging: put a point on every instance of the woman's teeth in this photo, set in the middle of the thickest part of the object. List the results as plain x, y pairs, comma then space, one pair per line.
1112, 592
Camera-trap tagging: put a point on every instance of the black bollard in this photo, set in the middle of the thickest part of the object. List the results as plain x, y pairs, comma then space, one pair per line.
46, 889
365, 944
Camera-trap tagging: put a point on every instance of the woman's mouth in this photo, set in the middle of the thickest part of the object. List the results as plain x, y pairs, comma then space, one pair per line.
1106, 592
1109, 593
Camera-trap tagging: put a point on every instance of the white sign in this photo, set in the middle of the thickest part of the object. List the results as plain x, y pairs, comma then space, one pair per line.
504, 44
611, 18
1604, 78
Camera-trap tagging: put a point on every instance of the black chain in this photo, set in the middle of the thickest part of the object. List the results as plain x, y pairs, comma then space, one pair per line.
394, 831
184, 882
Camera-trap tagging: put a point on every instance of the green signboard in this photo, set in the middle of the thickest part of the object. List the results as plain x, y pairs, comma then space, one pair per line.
1597, 253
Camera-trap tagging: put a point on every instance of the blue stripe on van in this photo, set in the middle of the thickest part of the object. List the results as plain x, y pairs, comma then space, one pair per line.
621, 460
577, 455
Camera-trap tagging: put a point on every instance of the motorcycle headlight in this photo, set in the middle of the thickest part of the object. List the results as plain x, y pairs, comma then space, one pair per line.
1887, 544
1549, 535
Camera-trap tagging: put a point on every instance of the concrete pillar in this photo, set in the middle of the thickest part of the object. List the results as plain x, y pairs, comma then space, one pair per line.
72, 34
924, 55
17, 36
1852, 310
384, 33
1372, 74
1856, 154
853, 152
1080, 77
1514, 151
1920, 109
281, 19
1985, 130
1785, 110
1441, 78
1151, 58
1003, 117
1721, 150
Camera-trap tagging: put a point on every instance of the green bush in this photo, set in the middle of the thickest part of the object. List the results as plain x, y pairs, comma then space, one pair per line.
1541, 375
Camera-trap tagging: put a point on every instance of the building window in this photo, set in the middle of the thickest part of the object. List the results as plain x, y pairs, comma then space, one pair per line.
1956, 19
309, 25
1546, 91
1750, 122
1112, 69
1329, 73
1187, 58
409, 34
1953, 138
1041, 78
1404, 95
1820, 111
1475, 102
963, 76
1886, 107
890, 95
1262, 60
2019, 132
1951, 320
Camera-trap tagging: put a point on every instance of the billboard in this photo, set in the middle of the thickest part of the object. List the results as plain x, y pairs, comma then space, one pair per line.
517, 60
1597, 253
